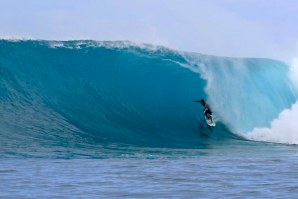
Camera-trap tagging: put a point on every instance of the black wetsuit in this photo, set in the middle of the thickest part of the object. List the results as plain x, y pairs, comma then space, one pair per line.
207, 110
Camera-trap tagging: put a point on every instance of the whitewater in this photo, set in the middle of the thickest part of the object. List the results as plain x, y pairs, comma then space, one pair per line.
117, 119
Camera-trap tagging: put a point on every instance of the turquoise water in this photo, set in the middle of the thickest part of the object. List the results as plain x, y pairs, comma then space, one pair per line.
116, 119
241, 170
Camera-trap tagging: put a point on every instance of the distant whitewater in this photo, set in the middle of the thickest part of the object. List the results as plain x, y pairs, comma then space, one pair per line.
63, 92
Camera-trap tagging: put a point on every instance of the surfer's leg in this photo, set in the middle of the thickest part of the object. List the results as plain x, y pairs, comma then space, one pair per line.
209, 117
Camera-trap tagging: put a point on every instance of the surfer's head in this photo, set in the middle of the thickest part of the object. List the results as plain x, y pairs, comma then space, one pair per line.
202, 101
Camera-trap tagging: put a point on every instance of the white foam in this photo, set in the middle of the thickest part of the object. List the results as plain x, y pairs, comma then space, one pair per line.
107, 44
283, 129
56, 44
15, 38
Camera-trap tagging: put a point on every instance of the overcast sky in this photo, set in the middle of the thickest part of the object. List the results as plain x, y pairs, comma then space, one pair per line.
245, 28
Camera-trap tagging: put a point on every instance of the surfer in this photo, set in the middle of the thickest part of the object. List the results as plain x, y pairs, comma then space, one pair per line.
207, 110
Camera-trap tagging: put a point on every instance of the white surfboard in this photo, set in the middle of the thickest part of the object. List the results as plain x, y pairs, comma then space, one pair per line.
209, 121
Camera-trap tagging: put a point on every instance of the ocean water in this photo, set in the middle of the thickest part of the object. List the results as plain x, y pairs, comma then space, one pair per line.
89, 119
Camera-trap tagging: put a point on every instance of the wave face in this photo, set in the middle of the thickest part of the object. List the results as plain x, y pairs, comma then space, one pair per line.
118, 92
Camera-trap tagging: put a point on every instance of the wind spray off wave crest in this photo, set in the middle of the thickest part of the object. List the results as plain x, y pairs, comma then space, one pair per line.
245, 93
293, 73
